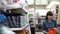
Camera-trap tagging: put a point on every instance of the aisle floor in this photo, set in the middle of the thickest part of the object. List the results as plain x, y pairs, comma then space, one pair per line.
39, 33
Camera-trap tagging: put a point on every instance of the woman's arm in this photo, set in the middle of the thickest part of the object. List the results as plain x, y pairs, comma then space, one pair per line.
55, 23
44, 27
44, 31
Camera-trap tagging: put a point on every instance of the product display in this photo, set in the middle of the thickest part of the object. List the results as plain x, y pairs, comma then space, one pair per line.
12, 4
14, 21
13, 10
23, 22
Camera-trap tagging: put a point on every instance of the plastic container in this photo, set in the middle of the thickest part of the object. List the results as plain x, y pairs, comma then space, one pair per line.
51, 31
2, 18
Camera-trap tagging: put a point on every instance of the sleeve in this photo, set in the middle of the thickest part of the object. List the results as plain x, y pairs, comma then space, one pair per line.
43, 26
55, 23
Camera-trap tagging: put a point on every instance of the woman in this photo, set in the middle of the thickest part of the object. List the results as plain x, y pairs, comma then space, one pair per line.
49, 22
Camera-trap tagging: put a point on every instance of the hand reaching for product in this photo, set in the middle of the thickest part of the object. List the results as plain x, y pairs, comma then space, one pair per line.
44, 32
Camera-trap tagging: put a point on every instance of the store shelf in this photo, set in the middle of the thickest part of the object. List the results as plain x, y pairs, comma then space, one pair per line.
16, 29
18, 11
12, 14
11, 6
19, 28
14, 6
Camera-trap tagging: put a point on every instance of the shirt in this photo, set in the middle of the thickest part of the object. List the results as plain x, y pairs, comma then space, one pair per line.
47, 25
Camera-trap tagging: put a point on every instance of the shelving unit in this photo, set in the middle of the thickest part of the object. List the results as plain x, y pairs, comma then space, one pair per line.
12, 12
11, 15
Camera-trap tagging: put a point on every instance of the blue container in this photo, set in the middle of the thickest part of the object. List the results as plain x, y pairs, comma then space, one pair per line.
2, 18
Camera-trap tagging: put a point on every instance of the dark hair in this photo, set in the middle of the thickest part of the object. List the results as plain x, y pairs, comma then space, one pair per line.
49, 13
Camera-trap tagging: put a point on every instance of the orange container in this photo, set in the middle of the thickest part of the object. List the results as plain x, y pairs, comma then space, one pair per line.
51, 31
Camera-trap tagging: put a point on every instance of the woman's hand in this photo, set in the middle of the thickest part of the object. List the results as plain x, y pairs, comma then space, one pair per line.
55, 28
45, 32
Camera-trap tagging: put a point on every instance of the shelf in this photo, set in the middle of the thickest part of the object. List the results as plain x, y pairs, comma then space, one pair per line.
18, 11
13, 29
37, 5
12, 6
12, 14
